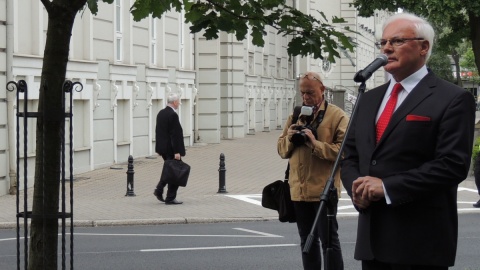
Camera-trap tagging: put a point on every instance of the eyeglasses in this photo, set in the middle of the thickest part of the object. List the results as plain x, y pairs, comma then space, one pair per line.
310, 77
395, 42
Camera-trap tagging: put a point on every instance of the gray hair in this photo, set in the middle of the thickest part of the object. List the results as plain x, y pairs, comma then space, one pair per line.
172, 97
422, 27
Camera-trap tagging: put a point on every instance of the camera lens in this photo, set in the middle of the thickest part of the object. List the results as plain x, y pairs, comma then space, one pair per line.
299, 138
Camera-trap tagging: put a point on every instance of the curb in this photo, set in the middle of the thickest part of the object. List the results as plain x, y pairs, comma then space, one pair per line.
146, 222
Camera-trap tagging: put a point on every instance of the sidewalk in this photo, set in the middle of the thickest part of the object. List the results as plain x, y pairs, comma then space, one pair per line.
250, 163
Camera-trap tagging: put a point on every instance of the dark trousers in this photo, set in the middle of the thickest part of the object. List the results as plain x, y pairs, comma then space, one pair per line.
172, 189
476, 173
376, 265
305, 213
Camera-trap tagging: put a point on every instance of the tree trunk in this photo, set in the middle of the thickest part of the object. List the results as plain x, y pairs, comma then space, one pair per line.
43, 248
474, 21
456, 60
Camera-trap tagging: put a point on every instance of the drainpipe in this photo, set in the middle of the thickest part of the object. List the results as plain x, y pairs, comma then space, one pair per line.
196, 136
10, 101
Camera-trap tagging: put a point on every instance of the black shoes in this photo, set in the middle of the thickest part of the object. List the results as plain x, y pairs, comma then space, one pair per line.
159, 195
174, 201
477, 204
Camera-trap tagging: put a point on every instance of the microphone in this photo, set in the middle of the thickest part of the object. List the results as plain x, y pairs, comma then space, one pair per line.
366, 73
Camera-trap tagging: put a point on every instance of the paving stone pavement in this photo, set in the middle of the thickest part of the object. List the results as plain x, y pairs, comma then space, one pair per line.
251, 163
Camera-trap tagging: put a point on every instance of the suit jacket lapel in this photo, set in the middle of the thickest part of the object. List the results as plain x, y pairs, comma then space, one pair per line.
423, 89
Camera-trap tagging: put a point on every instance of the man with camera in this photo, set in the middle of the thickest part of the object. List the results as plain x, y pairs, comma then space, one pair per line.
311, 141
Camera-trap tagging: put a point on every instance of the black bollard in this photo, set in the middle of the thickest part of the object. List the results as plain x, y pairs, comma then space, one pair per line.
130, 174
221, 175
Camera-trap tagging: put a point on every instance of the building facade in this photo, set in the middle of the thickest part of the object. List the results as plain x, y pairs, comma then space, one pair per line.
229, 88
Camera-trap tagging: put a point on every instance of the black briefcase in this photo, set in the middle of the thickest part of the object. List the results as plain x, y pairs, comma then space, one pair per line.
276, 196
175, 172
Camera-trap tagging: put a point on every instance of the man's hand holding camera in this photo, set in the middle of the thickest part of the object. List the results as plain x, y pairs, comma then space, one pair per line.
291, 131
300, 135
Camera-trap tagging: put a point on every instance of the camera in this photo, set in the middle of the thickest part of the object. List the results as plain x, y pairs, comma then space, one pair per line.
300, 137
306, 115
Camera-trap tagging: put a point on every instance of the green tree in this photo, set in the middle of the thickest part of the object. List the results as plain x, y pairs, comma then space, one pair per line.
476, 149
460, 19
468, 59
439, 63
310, 36
467, 62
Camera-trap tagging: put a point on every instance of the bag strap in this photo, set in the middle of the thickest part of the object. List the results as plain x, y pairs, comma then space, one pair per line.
320, 116
287, 171
296, 113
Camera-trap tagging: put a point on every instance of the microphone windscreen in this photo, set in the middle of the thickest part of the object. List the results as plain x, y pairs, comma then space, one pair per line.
306, 111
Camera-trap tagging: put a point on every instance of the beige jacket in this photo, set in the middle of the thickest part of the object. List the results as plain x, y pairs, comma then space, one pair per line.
311, 168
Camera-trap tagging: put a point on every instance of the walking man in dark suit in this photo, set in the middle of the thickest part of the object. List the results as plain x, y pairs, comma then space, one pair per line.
402, 170
169, 144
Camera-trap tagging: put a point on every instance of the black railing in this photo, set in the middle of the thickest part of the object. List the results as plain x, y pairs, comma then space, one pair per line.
25, 215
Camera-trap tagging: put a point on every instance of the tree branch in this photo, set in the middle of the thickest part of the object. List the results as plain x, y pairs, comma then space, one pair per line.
213, 3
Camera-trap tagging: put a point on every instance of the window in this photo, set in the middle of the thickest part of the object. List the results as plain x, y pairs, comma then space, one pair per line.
279, 67
182, 39
153, 41
265, 65
251, 63
123, 121
118, 31
81, 124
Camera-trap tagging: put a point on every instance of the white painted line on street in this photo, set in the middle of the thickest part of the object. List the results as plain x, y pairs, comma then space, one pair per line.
218, 247
467, 189
347, 213
257, 232
346, 207
172, 235
247, 198
9, 239
472, 209
256, 199
466, 202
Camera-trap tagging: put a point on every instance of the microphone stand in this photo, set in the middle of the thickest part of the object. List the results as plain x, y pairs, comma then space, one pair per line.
329, 197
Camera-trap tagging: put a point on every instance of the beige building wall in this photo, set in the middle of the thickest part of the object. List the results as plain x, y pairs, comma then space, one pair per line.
229, 88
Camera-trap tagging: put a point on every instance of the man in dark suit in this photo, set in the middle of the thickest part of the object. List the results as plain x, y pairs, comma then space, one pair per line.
169, 144
402, 171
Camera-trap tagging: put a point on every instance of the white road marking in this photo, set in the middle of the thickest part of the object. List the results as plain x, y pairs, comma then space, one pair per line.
467, 189
256, 235
218, 247
257, 232
468, 209
257, 198
9, 239
346, 207
248, 198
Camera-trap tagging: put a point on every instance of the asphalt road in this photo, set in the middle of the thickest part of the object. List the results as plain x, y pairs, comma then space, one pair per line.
247, 245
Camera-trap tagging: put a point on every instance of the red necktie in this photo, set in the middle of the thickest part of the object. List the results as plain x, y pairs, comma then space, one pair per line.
388, 111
